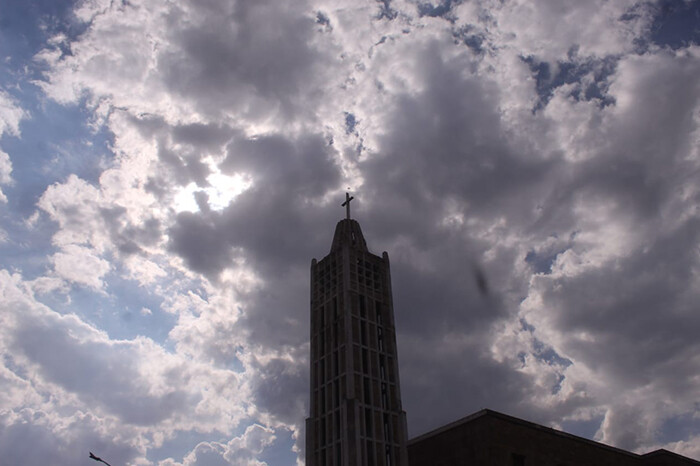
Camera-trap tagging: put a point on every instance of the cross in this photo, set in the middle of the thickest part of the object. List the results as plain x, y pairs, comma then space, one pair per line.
346, 204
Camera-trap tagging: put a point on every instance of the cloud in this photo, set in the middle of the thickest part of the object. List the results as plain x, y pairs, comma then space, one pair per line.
5, 171
552, 29
240, 451
127, 386
530, 168
59, 441
198, 61
79, 265
11, 113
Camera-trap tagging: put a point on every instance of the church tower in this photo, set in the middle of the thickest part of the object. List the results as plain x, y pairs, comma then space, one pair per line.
356, 416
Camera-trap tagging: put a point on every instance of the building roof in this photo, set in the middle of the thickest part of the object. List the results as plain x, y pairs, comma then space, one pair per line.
661, 453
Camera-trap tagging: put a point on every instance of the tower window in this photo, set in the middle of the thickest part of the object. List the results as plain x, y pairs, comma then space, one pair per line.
368, 427
517, 460
387, 432
370, 454
322, 401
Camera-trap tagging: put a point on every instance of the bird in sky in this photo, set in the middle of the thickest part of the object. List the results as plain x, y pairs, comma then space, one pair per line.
97, 458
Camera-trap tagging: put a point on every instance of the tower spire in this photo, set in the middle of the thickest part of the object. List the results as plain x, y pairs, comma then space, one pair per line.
346, 204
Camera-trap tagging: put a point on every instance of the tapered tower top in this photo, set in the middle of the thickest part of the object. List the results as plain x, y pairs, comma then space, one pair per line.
348, 231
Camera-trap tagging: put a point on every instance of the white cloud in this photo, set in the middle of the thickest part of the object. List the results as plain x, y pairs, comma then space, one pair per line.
134, 389
10, 114
5, 168
551, 29
80, 265
239, 451
76, 206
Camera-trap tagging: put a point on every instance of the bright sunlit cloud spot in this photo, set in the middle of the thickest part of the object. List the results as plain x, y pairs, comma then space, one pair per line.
226, 188
221, 191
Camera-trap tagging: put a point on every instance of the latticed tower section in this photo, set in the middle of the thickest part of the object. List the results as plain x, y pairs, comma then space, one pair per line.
356, 415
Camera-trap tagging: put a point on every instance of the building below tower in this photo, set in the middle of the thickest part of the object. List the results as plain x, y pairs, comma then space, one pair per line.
489, 438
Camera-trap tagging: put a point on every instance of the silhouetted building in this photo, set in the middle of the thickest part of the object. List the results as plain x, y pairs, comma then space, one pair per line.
489, 438
356, 416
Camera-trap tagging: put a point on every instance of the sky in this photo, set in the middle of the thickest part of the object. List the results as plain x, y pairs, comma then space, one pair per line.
169, 169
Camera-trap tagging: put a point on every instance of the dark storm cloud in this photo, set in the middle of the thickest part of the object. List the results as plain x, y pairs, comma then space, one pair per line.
147, 233
199, 239
445, 147
301, 169
189, 168
249, 56
210, 136
444, 384
181, 150
431, 305
113, 218
641, 310
269, 221
281, 387
447, 141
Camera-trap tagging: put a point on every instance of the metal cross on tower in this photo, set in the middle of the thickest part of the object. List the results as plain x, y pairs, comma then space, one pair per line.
346, 204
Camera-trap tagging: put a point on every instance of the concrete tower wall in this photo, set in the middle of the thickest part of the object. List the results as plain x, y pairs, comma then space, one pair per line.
356, 414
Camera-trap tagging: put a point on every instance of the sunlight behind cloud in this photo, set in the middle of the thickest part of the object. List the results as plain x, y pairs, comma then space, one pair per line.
221, 191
